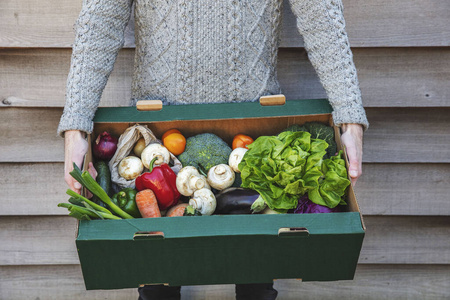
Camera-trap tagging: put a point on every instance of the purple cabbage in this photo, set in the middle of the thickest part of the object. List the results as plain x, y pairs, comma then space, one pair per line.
306, 206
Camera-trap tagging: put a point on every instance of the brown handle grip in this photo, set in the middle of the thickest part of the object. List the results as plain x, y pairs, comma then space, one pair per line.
272, 100
149, 105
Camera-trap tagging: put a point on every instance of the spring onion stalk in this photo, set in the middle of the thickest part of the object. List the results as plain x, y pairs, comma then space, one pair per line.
83, 213
97, 190
92, 204
86, 180
76, 174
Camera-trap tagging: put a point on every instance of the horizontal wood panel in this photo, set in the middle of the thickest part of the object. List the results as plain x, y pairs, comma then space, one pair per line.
384, 189
375, 23
396, 135
32, 189
50, 240
384, 23
372, 282
389, 77
404, 189
407, 135
30, 135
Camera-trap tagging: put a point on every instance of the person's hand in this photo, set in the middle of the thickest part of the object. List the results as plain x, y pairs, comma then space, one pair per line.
352, 138
75, 148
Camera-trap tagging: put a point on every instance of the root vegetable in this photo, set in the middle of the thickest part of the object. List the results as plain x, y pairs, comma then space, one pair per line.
177, 210
147, 204
139, 147
105, 146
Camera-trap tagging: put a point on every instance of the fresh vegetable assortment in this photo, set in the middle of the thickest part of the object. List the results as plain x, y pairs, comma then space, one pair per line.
297, 171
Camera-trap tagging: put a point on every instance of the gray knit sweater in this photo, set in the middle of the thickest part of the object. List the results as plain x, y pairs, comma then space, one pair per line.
206, 51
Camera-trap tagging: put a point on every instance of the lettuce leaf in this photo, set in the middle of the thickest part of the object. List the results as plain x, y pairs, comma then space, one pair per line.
282, 168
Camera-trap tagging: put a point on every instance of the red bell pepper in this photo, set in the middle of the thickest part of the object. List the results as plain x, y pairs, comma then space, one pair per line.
162, 181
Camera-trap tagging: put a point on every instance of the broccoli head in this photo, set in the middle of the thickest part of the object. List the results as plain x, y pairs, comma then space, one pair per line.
318, 131
204, 151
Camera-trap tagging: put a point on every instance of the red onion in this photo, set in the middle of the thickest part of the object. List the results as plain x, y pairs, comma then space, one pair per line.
105, 146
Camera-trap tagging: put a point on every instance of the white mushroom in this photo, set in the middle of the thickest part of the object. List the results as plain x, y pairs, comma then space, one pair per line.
130, 167
190, 180
152, 151
235, 158
221, 176
204, 201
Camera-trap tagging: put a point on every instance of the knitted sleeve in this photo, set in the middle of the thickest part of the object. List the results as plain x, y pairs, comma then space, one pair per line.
322, 25
99, 37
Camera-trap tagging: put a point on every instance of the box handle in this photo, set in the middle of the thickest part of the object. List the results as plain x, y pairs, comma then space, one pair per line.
156, 105
149, 105
272, 100
148, 235
293, 232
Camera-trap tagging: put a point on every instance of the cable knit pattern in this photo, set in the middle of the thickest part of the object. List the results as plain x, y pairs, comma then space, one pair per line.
329, 51
209, 51
93, 57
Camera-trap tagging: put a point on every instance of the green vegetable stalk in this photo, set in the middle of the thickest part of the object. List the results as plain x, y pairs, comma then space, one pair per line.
86, 180
86, 213
79, 199
191, 211
282, 168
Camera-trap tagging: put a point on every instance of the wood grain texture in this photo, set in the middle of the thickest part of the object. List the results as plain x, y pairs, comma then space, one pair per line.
372, 282
408, 135
384, 189
389, 77
37, 77
29, 135
32, 189
384, 23
50, 240
396, 135
404, 189
377, 23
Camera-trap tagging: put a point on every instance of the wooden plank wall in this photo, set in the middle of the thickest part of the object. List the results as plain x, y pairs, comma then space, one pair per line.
402, 53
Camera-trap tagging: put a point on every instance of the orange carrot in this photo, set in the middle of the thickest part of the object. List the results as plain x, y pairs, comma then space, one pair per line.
147, 204
177, 210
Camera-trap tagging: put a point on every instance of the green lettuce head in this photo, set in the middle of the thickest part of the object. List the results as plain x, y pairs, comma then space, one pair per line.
285, 167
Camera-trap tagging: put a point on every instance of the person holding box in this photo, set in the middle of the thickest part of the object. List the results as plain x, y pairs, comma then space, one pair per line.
211, 51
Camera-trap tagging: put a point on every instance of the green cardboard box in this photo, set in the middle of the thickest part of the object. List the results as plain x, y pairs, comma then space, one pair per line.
220, 249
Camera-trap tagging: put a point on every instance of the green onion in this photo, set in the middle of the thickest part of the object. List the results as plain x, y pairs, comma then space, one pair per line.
83, 213
80, 199
98, 191
86, 180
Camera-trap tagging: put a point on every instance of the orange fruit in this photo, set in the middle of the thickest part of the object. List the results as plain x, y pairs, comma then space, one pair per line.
241, 141
173, 130
175, 143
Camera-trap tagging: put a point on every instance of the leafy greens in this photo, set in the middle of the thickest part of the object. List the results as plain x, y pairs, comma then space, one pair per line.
285, 167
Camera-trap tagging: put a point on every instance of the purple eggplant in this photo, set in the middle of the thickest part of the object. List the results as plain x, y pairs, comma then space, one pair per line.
235, 200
